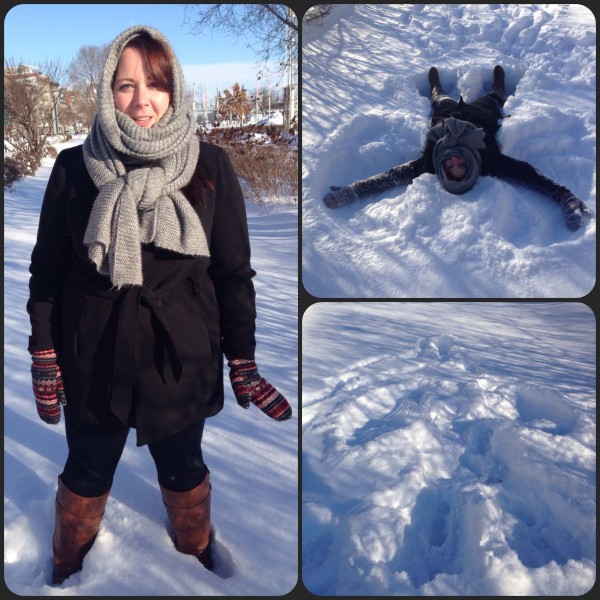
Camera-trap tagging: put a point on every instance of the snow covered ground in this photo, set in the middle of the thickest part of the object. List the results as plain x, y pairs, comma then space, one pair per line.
366, 108
448, 449
253, 460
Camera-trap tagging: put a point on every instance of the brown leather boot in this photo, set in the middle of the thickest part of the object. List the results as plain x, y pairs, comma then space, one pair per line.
77, 524
189, 515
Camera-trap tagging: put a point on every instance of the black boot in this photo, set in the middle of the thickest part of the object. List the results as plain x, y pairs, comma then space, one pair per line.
498, 85
436, 87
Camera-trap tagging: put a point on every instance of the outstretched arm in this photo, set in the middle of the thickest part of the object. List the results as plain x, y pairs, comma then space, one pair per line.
522, 172
400, 175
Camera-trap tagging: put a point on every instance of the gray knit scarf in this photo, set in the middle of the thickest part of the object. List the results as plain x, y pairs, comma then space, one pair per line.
454, 137
139, 173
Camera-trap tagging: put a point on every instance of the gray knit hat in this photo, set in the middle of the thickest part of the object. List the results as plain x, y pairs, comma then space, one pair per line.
454, 137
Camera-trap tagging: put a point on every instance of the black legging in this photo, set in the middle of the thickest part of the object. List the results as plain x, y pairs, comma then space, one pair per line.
484, 102
95, 450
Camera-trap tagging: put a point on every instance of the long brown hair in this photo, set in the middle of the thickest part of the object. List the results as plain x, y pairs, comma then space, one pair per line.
199, 184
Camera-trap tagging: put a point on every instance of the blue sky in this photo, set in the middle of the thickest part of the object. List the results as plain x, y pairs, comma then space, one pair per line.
34, 33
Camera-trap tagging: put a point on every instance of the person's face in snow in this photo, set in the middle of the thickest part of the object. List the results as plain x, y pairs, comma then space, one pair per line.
456, 168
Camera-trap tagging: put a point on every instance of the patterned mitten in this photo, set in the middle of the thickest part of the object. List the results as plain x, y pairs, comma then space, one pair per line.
248, 386
48, 387
573, 210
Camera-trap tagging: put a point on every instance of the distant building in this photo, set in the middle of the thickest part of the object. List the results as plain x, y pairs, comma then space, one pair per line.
50, 95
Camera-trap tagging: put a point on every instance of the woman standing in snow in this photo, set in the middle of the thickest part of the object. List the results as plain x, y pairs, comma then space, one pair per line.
140, 283
461, 145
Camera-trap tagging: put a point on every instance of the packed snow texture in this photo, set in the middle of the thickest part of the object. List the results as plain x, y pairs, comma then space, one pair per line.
366, 108
253, 459
448, 449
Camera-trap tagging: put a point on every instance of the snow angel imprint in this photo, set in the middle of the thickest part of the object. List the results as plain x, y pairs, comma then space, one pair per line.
461, 145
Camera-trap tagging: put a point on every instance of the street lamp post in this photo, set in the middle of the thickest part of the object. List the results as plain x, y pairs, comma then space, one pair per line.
257, 98
55, 96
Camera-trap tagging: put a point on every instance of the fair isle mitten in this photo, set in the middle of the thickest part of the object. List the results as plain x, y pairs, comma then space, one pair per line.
248, 386
48, 388
573, 210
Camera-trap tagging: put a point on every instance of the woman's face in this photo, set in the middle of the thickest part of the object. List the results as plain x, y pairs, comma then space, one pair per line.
134, 94
456, 166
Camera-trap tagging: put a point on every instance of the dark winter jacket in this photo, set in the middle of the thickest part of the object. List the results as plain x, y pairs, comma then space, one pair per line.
152, 356
483, 112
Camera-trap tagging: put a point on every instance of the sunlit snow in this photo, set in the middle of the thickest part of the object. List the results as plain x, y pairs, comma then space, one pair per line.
448, 449
253, 460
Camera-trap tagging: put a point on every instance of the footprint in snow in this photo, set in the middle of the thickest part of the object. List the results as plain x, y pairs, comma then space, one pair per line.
478, 456
545, 409
435, 346
443, 348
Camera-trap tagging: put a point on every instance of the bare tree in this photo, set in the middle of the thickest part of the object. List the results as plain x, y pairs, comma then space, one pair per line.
80, 111
86, 68
83, 109
317, 13
32, 104
274, 27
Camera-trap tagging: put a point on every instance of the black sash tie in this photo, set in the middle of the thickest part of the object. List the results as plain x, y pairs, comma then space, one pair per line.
131, 302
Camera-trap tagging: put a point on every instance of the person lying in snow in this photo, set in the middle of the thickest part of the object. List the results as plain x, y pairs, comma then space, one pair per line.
461, 145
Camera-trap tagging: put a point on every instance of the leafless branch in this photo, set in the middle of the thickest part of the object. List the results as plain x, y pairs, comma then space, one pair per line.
270, 30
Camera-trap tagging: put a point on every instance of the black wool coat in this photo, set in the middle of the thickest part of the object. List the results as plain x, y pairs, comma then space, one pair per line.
150, 357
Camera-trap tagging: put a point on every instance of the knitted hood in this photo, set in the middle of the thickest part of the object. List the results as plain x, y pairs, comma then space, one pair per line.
454, 137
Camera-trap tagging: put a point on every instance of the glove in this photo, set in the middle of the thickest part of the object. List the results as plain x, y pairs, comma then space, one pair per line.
48, 387
248, 386
573, 210
339, 196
